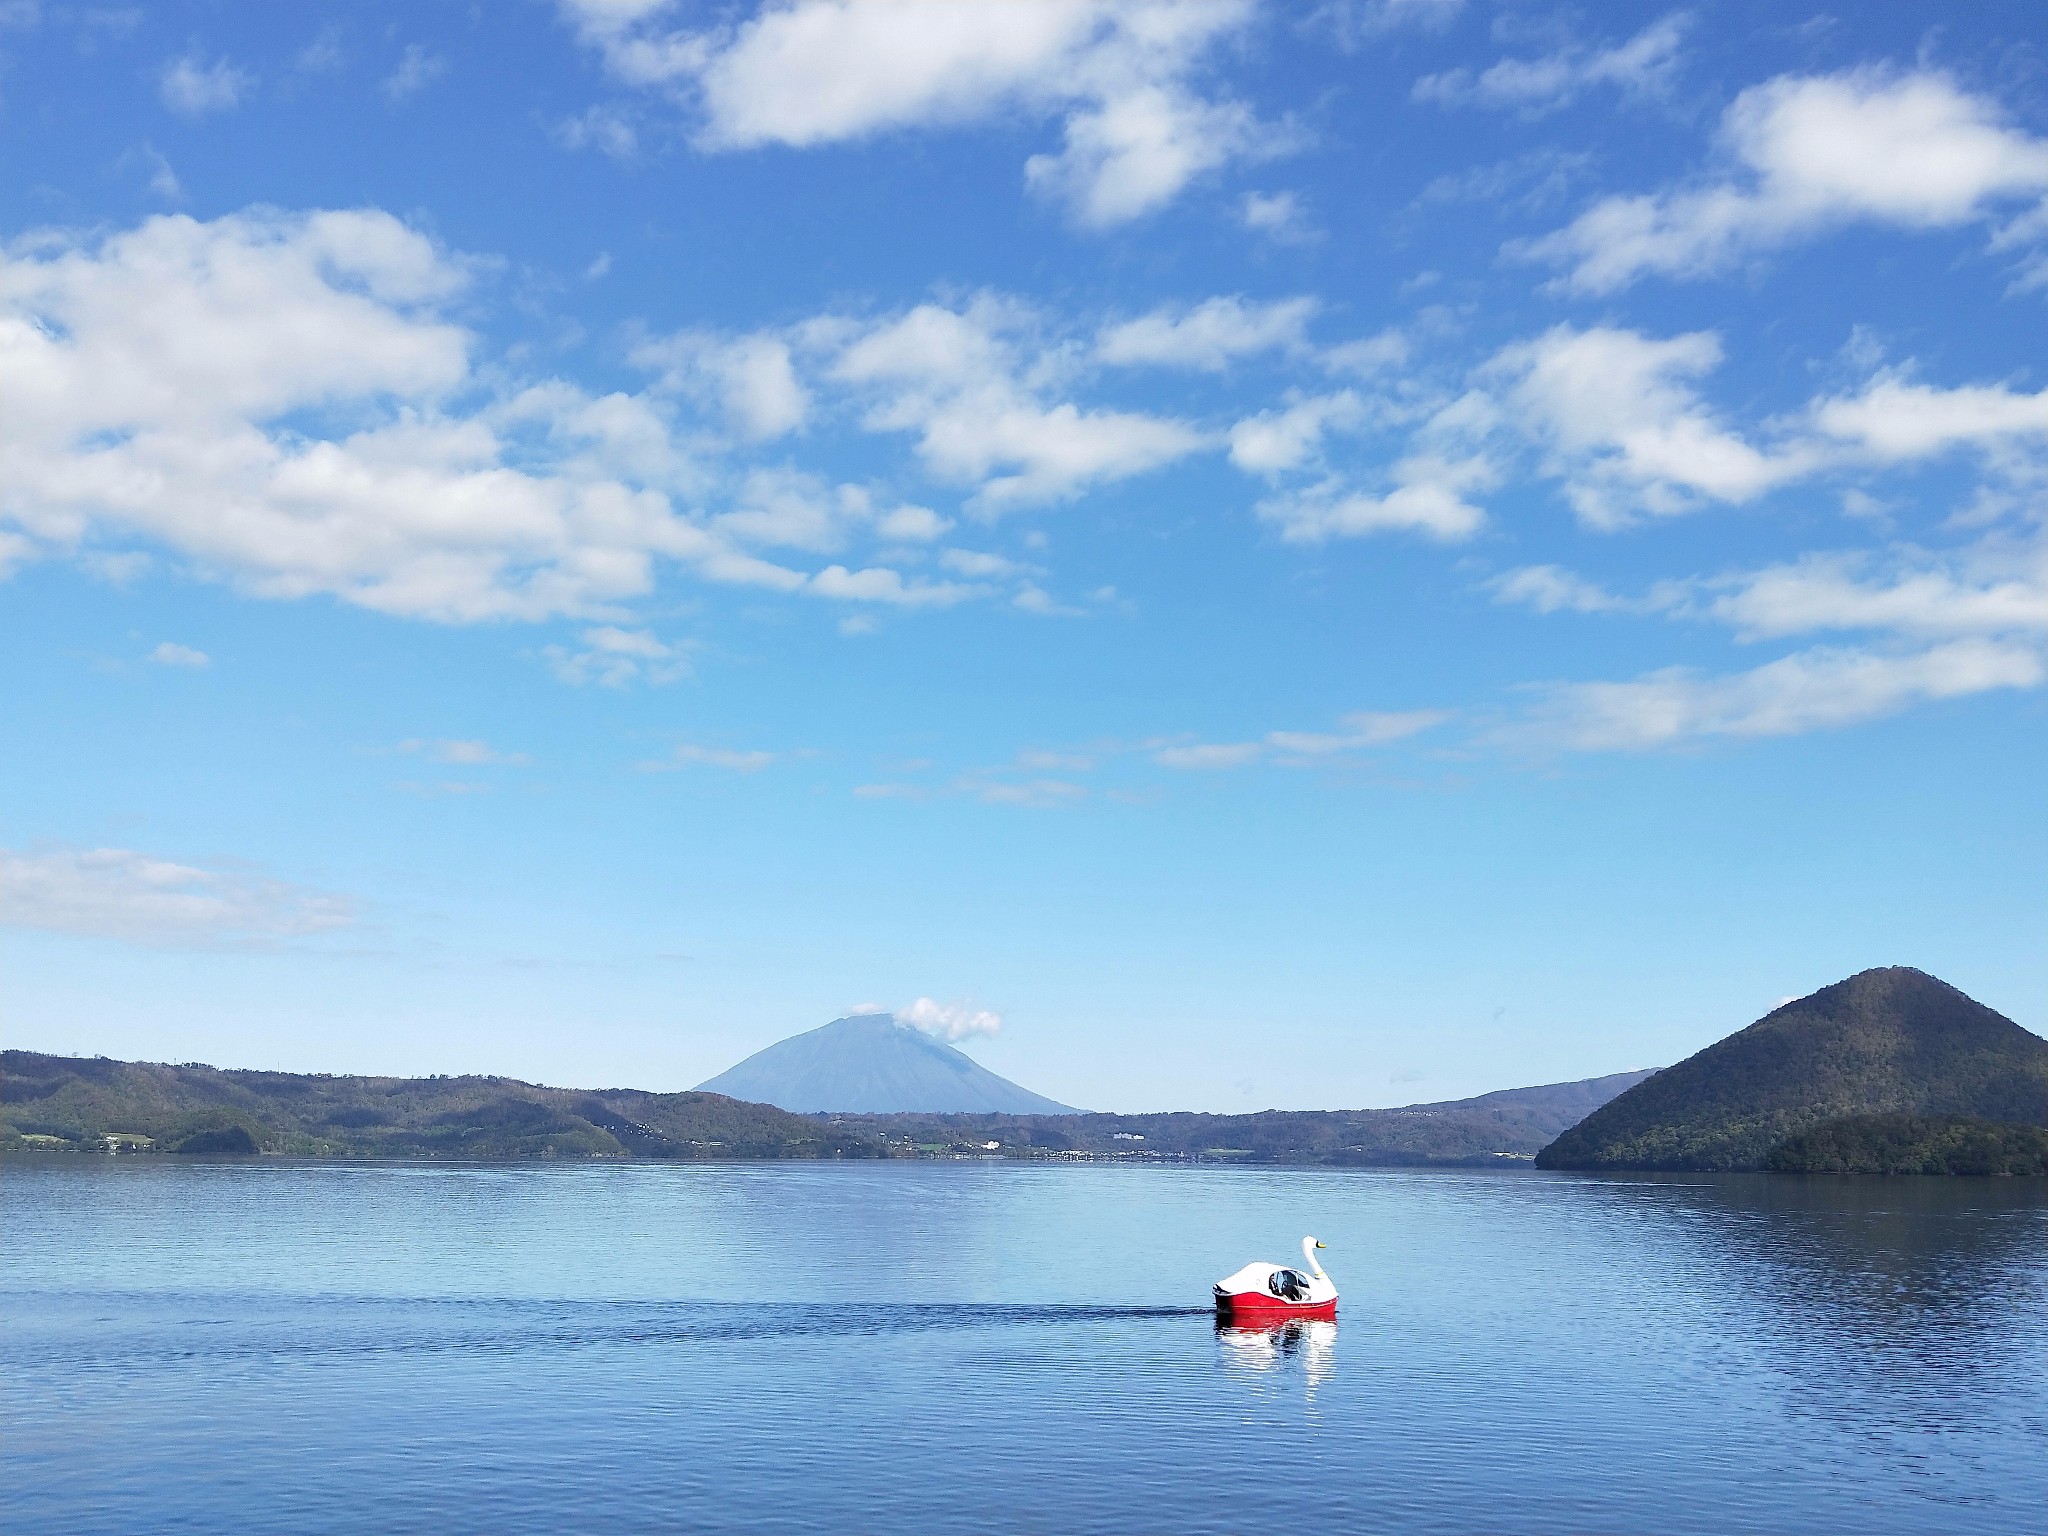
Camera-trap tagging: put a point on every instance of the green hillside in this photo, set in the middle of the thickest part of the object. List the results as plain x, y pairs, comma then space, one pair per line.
1913, 1144
1504, 1126
1885, 1042
58, 1101
72, 1103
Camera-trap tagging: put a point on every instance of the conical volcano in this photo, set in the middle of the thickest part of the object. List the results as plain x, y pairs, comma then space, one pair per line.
1885, 1042
873, 1064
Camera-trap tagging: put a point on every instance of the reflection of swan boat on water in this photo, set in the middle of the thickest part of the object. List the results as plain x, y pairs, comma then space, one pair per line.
1271, 1293
1272, 1347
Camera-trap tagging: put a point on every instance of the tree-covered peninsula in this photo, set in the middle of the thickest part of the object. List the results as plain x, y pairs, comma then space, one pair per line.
1913, 1144
1822, 1083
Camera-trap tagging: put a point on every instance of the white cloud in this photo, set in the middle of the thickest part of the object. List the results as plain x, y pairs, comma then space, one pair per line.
1428, 489
324, 54
1641, 67
1278, 216
949, 1021
879, 584
1624, 429
1992, 588
2026, 233
792, 510
752, 378
1273, 441
1920, 597
418, 67
1428, 497
1812, 153
1622, 426
193, 87
1818, 689
281, 400
142, 375
802, 73
1357, 22
912, 524
690, 755
1941, 627
1359, 732
1133, 153
808, 72
633, 440
962, 381
470, 753
1617, 417
1532, 182
1209, 336
1037, 794
1206, 755
615, 657
979, 566
603, 128
1054, 762
1368, 355
251, 314
171, 654
1553, 589
118, 893
163, 181
1895, 419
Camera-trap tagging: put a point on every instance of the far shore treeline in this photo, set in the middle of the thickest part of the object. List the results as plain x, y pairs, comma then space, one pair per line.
1890, 1071
70, 1103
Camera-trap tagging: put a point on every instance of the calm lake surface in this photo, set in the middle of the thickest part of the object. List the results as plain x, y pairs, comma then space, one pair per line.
265, 1346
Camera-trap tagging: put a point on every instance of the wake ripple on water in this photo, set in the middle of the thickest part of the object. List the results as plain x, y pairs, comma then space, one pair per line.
121, 1331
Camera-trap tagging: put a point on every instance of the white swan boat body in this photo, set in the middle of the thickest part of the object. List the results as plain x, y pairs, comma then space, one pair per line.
1272, 1293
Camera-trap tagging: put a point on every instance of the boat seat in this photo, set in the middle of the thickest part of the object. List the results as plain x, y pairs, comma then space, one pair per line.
1288, 1284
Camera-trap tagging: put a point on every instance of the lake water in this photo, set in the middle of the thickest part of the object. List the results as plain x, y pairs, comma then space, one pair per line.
264, 1346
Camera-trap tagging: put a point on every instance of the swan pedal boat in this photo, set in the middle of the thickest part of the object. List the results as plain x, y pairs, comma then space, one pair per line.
1272, 1293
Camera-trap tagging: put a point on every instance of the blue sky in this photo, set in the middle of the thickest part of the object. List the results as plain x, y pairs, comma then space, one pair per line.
1292, 556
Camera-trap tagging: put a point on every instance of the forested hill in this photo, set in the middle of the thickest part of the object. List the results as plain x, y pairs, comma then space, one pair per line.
67, 1102
1504, 1126
1884, 1043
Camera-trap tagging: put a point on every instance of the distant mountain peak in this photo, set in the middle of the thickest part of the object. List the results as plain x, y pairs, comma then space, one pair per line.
876, 1064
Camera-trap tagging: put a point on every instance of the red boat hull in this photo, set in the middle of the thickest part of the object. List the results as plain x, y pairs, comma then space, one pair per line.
1255, 1308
